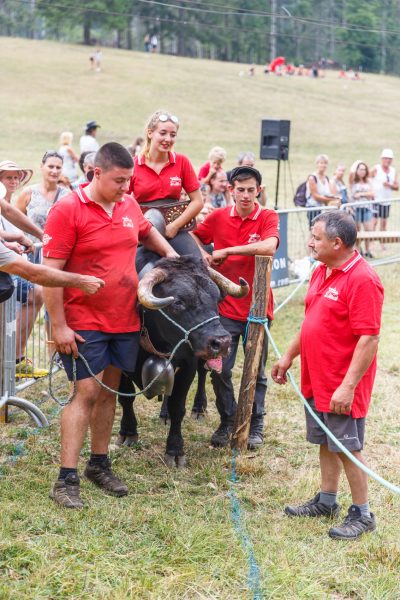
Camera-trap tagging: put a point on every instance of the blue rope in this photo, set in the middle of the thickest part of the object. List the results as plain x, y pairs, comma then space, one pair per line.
252, 319
253, 578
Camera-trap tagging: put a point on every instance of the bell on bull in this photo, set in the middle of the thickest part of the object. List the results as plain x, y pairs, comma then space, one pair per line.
161, 369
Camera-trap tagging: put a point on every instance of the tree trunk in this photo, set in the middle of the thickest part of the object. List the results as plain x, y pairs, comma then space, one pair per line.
87, 30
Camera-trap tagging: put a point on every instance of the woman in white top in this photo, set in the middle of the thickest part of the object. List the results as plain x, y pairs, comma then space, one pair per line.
318, 188
70, 158
384, 180
362, 191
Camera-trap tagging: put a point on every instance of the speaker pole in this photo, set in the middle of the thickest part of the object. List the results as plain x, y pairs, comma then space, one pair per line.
277, 184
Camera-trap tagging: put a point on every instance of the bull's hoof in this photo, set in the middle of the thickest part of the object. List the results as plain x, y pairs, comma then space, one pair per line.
126, 440
165, 420
169, 461
180, 462
198, 415
131, 440
175, 461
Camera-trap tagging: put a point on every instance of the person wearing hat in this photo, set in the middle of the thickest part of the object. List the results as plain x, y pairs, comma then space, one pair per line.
12, 177
238, 233
88, 142
384, 181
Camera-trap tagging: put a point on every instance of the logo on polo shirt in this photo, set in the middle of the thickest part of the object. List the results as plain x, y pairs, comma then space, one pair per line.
332, 294
127, 222
253, 238
46, 239
175, 181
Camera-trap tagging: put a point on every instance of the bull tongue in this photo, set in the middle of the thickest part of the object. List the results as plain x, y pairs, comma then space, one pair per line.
214, 364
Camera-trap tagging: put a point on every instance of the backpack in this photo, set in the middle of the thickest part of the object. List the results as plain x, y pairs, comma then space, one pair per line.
300, 197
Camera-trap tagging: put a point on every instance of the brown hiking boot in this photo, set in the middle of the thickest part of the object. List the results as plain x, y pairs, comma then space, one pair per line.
65, 492
103, 477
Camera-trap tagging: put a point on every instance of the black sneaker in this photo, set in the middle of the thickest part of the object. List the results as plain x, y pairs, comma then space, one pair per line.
256, 439
102, 476
221, 436
66, 492
354, 525
313, 508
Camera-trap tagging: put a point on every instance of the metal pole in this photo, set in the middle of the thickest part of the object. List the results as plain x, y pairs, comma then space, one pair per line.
277, 185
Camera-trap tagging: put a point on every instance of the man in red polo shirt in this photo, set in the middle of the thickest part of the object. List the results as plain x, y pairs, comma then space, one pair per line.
337, 344
238, 233
96, 228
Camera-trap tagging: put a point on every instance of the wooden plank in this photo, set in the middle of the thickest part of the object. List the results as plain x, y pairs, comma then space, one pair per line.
254, 346
382, 236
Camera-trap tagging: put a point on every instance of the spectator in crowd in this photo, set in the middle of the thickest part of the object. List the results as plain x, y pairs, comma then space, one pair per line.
98, 57
36, 200
161, 174
70, 158
384, 181
146, 42
238, 233
88, 142
218, 195
154, 43
337, 344
136, 148
337, 184
362, 191
97, 225
318, 189
86, 164
216, 157
29, 296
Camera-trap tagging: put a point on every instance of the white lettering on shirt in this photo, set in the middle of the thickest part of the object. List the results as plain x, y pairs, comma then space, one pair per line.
46, 239
253, 238
127, 222
332, 294
175, 181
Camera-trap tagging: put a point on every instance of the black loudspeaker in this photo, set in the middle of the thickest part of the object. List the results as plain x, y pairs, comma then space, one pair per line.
275, 137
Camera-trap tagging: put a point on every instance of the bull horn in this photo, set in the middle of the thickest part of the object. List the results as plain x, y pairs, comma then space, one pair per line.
145, 290
227, 286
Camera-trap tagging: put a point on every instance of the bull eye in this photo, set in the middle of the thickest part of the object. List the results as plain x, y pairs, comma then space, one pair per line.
179, 305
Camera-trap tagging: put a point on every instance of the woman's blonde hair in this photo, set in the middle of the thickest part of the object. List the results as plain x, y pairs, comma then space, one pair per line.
151, 125
323, 157
66, 138
217, 153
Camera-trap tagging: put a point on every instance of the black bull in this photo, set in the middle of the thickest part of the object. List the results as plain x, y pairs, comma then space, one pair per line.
188, 292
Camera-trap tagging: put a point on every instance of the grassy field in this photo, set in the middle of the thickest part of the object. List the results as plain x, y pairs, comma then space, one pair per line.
173, 537
48, 88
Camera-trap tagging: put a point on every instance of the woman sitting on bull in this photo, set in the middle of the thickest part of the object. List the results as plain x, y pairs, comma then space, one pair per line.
159, 176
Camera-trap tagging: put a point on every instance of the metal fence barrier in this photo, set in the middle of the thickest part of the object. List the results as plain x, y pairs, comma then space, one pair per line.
24, 330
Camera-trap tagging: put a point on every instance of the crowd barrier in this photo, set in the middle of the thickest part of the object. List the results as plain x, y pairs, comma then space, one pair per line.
24, 330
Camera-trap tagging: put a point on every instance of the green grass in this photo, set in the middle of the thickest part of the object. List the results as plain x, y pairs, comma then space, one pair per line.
172, 537
48, 88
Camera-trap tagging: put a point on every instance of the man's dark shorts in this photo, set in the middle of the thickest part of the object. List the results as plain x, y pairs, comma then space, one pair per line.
350, 432
101, 350
383, 210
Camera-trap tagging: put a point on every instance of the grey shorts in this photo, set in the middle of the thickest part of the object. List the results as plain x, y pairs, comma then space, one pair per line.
350, 432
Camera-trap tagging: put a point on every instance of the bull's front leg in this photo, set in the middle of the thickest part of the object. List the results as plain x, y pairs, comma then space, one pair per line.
199, 408
175, 454
128, 433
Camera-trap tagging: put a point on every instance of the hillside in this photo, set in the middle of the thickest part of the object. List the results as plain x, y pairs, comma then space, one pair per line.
48, 87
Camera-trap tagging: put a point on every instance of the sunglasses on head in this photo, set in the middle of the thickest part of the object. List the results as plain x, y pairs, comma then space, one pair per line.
51, 154
163, 118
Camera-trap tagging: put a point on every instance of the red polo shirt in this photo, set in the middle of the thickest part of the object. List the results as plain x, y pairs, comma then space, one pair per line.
225, 228
93, 243
338, 310
147, 185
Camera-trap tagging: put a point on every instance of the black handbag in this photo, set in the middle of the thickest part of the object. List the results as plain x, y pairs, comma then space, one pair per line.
7, 286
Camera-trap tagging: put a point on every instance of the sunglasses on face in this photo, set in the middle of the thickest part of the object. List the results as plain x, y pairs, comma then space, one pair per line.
51, 154
163, 118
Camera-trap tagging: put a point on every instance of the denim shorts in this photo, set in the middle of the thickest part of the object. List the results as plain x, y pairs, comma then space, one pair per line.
23, 288
350, 432
101, 350
363, 215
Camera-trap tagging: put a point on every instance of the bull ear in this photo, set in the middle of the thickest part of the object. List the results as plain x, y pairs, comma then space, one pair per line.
227, 286
145, 290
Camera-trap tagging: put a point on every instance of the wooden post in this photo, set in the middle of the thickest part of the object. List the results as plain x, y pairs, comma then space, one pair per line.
254, 346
